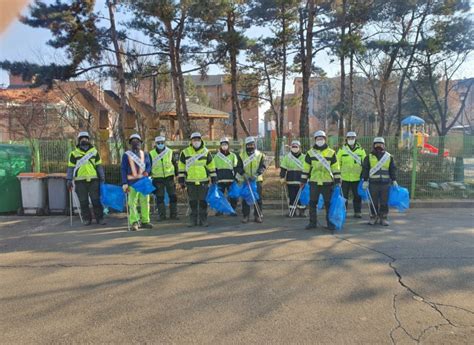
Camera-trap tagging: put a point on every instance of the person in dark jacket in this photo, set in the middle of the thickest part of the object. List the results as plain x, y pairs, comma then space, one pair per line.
291, 168
378, 173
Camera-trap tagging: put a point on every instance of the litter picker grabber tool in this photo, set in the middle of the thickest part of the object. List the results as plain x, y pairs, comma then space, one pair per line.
76, 200
259, 212
372, 203
70, 206
293, 208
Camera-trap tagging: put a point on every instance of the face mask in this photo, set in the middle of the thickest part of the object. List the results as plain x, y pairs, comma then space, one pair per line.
295, 149
196, 144
224, 147
379, 148
320, 142
84, 145
160, 146
351, 142
136, 145
250, 148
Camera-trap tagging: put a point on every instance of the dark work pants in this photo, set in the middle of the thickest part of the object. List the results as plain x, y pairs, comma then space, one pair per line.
314, 191
224, 187
162, 184
352, 187
197, 201
91, 189
379, 194
292, 193
246, 207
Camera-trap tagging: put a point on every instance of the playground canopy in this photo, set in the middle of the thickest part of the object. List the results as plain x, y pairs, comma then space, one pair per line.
413, 120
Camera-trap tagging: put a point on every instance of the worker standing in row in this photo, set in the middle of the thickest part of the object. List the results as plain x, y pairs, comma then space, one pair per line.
84, 174
136, 165
350, 158
196, 168
291, 168
228, 165
321, 169
253, 162
378, 173
164, 168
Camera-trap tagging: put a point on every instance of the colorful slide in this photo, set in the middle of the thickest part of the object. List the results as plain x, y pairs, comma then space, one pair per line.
434, 150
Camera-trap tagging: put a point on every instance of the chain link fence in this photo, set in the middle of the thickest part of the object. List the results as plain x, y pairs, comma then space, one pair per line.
421, 168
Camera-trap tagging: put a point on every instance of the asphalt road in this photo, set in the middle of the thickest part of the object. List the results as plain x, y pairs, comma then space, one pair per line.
275, 283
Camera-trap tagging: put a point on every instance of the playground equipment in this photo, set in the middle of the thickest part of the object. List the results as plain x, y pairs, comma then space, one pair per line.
413, 133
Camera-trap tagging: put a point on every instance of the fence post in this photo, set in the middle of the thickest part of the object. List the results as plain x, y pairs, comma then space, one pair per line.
413, 171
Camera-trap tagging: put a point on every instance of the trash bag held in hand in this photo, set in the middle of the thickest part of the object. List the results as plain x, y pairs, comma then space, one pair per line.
363, 193
167, 198
217, 201
112, 196
304, 197
337, 208
320, 202
234, 190
399, 197
144, 186
246, 192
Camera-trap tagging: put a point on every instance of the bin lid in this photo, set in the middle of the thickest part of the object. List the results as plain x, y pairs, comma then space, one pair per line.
32, 175
57, 175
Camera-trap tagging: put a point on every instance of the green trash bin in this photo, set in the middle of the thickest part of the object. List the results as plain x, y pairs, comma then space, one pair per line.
14, 159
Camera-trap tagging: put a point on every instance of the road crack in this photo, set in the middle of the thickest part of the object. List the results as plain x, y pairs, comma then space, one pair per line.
433, 305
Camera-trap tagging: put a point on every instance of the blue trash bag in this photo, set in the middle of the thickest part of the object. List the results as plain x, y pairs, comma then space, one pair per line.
234, 190
112, 196
304, 196
167, 198
246, 195
144, 186
363, 193
337, 208
399, 197
320, 202
217, 201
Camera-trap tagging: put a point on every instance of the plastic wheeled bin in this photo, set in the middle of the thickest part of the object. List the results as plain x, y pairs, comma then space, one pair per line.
14, 159
33, 193
58, 202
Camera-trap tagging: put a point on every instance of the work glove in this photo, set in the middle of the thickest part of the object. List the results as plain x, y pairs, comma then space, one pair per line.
125, 188
69, 185
365, 185
282, 181
145, 173
395, 183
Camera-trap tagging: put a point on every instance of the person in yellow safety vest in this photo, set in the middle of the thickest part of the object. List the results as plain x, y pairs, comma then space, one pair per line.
378, 172
321, 168
253, 168
196, 166
136, 165
84, 172
228, 165
164, 168
291, 168
350, 157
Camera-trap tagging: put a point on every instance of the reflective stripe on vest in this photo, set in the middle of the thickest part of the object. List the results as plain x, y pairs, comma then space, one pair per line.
295, 160
83, 161
160, 156
140, 161
225, 159
380, 163
323, 161
352, 154
190, 162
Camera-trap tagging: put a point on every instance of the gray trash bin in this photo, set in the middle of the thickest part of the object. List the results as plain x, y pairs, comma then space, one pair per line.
33, 193
58, 202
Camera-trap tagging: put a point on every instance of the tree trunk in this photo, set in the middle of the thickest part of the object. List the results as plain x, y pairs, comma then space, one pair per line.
282, 97
306, 51
351, 91
342, 95
236, 108
120, 72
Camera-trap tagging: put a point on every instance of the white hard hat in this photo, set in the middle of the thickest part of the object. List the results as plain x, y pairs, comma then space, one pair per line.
249, 140
351, 134
83, 135
295, 142
160, 138
196, 135
320, 134
379, 140
135, 136
224, 140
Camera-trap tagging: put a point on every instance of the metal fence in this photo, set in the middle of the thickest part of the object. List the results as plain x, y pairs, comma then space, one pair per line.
425, 173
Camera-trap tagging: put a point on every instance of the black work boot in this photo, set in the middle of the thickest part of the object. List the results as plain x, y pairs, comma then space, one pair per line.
373, 220
384, 221
134, 226
311, 226
146, 226
301, 213
245, 219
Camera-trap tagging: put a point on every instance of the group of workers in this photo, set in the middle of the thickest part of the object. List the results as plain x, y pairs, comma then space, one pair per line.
196, 168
